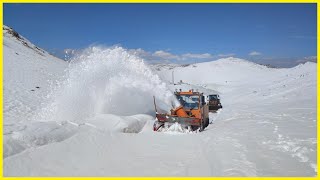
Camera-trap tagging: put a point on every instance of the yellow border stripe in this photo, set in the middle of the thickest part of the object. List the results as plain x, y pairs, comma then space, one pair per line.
160, 1
318, 98
166, 178
1, 91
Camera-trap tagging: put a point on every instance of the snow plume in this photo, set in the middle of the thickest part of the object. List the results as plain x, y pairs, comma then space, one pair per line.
104, 80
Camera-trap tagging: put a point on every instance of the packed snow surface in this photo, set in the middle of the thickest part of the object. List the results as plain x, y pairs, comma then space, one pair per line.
94, 115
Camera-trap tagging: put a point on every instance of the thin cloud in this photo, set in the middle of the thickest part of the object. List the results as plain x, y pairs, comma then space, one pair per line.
285, 62
226, 55
254, 53
165, 55
139, 52
311, 58
184, 57
196, 56
308, 59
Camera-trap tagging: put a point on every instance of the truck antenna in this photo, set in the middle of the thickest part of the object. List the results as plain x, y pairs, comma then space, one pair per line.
173, 77
155, 105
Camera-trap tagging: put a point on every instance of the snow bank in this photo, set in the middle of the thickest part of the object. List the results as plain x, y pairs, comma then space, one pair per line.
114, 123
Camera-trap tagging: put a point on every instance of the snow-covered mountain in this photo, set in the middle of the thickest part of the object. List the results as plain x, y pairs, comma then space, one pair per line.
28, 71
94, 117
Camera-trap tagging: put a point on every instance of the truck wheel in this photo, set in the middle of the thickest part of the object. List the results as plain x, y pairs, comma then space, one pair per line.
201, 128
206, 123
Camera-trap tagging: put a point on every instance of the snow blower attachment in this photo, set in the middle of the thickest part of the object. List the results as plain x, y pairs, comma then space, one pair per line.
192, 114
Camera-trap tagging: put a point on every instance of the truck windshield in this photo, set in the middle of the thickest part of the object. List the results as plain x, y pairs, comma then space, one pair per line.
189, 101
213, 97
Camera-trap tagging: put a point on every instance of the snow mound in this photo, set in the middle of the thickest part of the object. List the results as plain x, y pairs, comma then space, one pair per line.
36, 134
114, 123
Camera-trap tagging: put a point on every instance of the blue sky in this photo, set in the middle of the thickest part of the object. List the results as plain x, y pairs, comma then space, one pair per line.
268, 33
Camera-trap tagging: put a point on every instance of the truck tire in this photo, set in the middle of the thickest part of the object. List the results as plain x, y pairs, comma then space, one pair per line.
206, 122
202, 126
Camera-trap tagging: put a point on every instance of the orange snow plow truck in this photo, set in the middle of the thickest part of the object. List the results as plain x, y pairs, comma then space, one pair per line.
192, 114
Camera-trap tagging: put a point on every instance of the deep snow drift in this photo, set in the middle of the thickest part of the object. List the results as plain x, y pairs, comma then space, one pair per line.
94, 116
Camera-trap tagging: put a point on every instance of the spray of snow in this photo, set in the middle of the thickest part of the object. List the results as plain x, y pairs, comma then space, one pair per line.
176, 128
102, 80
